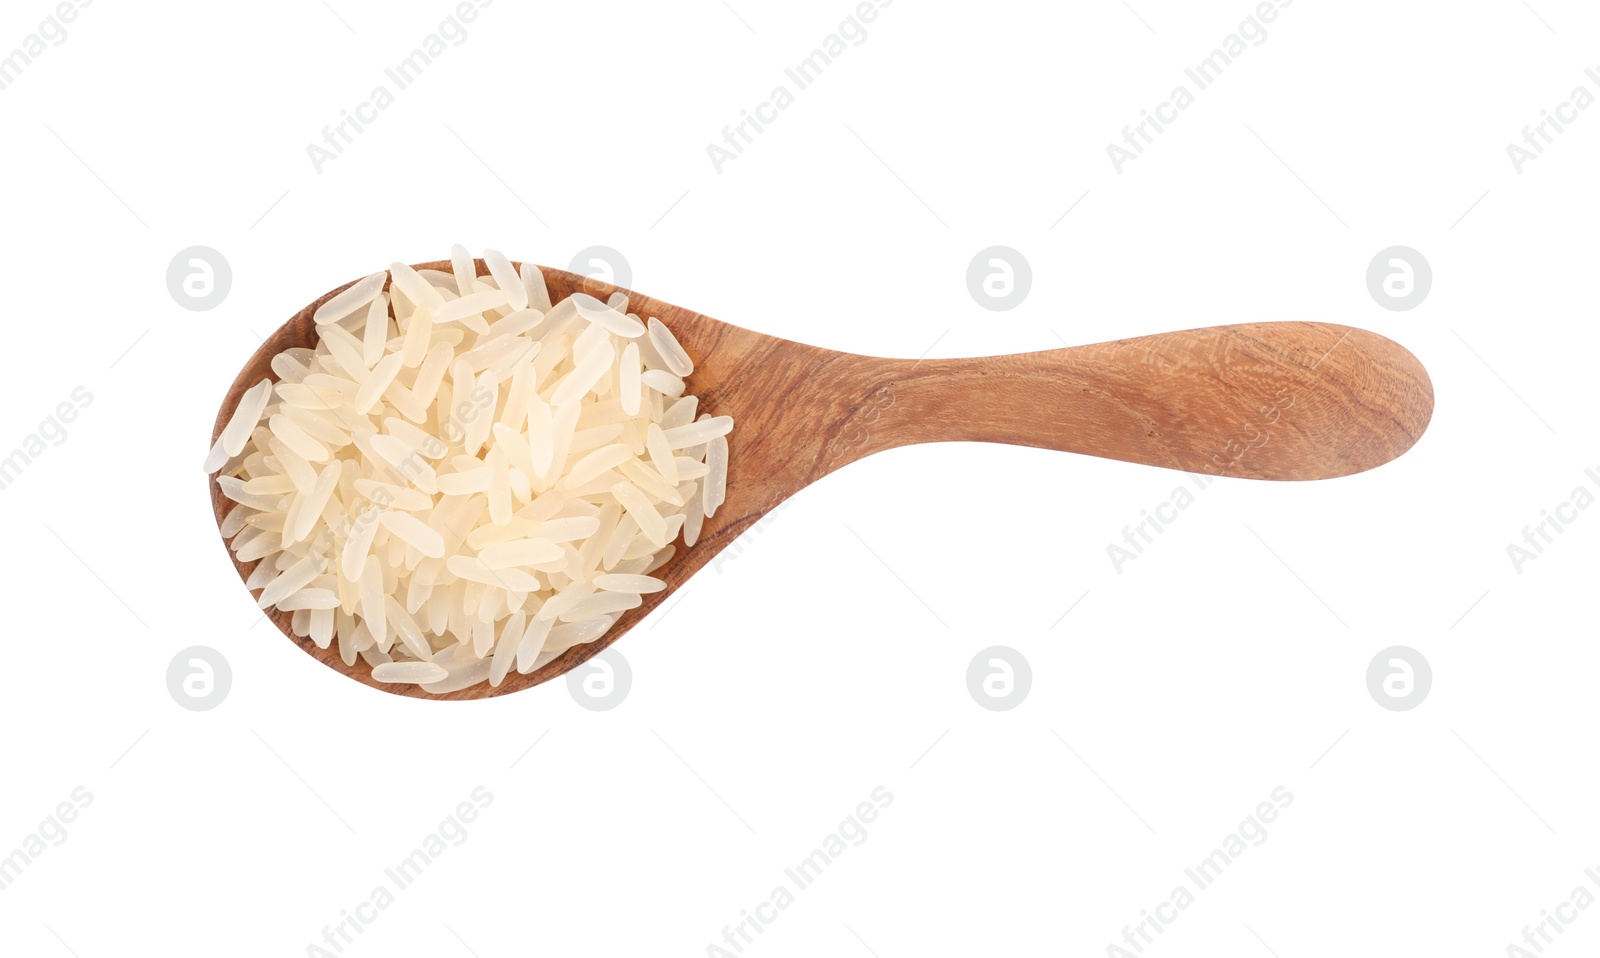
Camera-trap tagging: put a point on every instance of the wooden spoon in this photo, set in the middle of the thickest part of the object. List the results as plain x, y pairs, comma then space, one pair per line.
1286, 400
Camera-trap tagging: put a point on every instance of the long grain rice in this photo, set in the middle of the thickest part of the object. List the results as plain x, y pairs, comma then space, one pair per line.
463, 478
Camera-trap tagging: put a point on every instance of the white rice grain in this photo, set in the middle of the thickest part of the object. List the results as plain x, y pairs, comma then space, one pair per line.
716, 483
411, 673
532, 643
464, 675
487, 473
243, 421
637, 584
629, 383
375, 333
639, 509
414, 532
360, 294
662, 382
569, 634
672, 354
604, 316
533, 281
505, 277
695, 433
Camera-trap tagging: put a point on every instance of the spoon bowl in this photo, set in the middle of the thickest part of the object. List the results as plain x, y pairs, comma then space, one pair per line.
1276, 400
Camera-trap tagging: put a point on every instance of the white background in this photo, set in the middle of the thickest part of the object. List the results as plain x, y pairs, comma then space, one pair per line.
830, 658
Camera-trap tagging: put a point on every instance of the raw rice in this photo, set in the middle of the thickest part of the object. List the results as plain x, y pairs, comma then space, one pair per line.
463, 478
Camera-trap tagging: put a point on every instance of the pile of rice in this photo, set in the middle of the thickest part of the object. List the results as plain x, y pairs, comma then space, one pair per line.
462, 478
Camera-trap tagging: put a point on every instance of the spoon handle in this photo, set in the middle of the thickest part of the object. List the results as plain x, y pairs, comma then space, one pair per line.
1285, 400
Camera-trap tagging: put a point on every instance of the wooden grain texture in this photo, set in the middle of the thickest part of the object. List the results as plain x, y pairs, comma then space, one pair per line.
1287, 401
